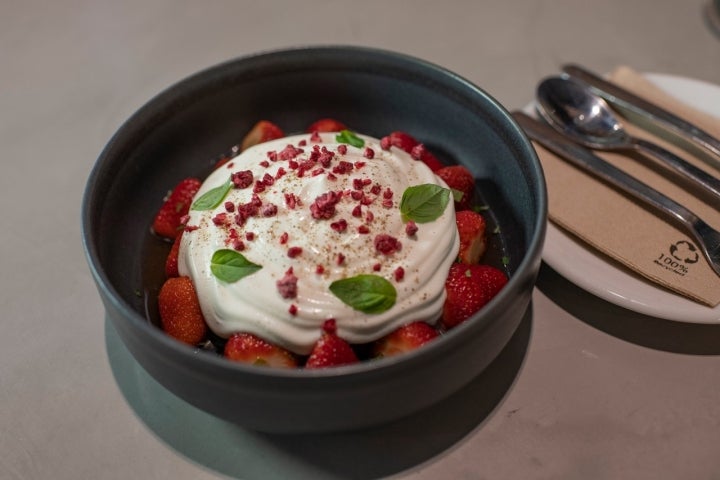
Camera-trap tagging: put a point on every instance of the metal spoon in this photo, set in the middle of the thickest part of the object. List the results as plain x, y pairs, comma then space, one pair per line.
572, 109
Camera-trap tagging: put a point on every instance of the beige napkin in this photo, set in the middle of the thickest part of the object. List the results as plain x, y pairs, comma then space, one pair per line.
621, 228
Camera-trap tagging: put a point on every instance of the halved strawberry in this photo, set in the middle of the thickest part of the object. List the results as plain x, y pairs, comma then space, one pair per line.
461, 180
171, 263
167, 222
248, 348
330, 350
469, 288
471, 228
326, 125
180, 313
406, 338
262, 131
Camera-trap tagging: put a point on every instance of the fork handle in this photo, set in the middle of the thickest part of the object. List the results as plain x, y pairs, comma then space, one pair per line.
689, 171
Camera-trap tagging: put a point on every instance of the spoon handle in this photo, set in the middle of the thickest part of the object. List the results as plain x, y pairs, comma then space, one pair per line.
689, 171
623, 98
584, 159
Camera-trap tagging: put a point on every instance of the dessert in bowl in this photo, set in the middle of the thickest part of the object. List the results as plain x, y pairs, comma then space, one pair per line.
178, 134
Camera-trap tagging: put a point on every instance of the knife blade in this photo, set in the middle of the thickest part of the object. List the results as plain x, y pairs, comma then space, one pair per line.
627, 100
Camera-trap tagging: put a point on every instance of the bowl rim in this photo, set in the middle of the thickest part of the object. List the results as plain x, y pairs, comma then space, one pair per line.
409, 360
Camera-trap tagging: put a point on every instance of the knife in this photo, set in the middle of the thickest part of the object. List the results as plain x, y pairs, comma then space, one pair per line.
629, 101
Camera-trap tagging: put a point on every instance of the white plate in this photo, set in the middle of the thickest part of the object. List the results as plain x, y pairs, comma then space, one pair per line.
573, 260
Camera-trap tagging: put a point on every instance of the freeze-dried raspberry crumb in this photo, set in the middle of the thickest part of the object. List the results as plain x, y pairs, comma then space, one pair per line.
387, 203
259, 187
242, 179
302, 143
280, 173
369, 153
265, 164
238, 244
359, 165
315, 137
190, 228
324, 205
357, 211
294, 252
342, 149
319, 269
293, 309
289, 152
272, 156
340, 259
268, 179
363, 229
377, 267
291, 201
339, 226
343, 167
399, 274
293, 165
388, 193
287, 286
317, 172
369, 216
358, 183
284, 238
356, 195
220, 219
331, 176
229, 207
411, 228
325, 157
385, 143
269, 210
387, 244
249, 236
376, 189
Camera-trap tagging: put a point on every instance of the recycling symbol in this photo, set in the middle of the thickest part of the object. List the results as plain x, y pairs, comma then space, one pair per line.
684, 251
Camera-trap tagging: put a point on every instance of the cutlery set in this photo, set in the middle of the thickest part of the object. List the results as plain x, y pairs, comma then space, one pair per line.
575, 117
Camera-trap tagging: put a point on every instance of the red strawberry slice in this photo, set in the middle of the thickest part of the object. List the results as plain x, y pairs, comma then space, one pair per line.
247, 348
171, 263
404, 339
330, 350
420, 152
326, 125
167, 222
262, 131
180, 313
471, 228
469, 288
461, 180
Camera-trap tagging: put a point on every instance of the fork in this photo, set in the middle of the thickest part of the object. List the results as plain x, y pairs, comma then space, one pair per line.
707, 237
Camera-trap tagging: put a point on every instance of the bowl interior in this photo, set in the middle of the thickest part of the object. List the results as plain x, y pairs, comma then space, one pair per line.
182, 131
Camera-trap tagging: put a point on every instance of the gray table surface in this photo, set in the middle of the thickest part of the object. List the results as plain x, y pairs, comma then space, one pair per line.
585, 390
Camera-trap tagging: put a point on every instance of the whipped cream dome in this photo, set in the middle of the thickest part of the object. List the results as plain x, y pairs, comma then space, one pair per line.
286, 229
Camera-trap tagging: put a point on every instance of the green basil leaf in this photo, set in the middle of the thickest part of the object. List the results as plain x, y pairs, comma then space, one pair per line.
230, 266
213, 197
424, 203
346, 136
366, 293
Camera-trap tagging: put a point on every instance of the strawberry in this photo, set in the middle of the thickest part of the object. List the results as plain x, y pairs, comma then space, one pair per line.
471, 228
461, 180
469, 288
401, 140
326, 125
180, 313
167, 222
404, 339
330, 350
247, 348
262, 131
171, 263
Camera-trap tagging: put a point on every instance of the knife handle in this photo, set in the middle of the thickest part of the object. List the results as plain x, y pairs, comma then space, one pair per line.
623, 98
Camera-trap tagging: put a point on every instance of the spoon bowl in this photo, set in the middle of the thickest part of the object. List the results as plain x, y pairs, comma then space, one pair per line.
575, 111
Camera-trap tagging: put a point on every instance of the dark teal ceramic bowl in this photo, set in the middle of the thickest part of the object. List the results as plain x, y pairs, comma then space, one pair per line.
180, 132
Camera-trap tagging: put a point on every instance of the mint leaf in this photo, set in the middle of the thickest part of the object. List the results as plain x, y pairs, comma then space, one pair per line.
424, 203
230, 266
346, 136
212, 197
366, 293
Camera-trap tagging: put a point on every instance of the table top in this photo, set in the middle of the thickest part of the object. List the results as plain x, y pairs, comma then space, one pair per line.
585, 389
